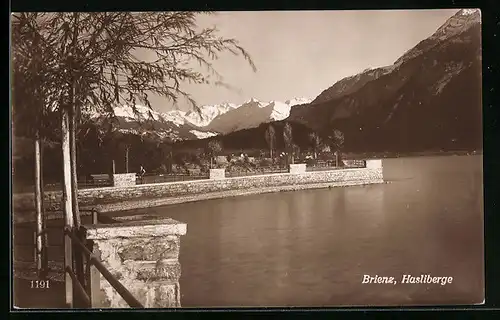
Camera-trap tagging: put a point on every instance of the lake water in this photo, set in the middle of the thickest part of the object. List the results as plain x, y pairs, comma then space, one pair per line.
312, 248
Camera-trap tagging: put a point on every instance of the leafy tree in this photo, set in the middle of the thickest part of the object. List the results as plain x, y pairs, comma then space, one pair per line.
166, 151
124, 141
270, 139
214, 148
336, 141
296, 151
94, 60
316, 143
99, 52
79, 63
288, 139
30, 112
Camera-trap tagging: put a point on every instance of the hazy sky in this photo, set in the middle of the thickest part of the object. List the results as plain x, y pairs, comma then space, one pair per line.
301, 53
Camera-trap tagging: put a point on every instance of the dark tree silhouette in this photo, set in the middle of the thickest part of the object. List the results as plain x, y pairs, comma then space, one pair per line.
214, 148
316, 143
288, 140
271, 139
336, 141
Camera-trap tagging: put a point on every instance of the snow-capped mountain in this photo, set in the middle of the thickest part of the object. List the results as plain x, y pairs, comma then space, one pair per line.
143, 113
429, 98
172, 125
252, 113
297, 101
454, 26
208, 121
457, 24
206, 114
203, 134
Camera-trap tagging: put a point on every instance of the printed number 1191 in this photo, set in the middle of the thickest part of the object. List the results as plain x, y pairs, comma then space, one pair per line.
40, 284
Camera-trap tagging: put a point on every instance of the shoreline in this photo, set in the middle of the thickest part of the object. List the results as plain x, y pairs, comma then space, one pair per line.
395, 155
152, 203
112, 209
121, 198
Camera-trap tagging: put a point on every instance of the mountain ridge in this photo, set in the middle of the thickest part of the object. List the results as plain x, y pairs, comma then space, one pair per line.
417, 86
252, 113
454, 25
198, 124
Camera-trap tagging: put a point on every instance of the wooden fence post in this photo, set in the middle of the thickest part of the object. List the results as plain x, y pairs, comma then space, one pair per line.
68, 262
93, 280
95, 216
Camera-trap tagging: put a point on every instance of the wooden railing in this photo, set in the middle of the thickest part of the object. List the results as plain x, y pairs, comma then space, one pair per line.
83, 290
88, 292
322, 165
82, 269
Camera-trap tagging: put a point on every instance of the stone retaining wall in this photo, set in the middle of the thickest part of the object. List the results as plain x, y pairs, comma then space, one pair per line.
124, 179
143, 256
107, 195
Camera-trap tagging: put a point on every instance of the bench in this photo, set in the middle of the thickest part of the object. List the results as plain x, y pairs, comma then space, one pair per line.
100, 178
354, 163
194, 172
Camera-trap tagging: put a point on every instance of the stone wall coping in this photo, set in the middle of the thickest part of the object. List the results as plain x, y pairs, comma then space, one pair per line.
217, 174
199, 181
374, 163
240, 178
298, 168
134, 229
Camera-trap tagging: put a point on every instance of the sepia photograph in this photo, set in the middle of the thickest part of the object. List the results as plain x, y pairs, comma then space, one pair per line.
246, 159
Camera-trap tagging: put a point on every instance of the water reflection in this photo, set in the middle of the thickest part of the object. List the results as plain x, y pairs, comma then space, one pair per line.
313, 247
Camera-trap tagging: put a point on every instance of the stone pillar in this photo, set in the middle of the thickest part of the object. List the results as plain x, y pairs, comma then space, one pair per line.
124, 179
143, 256
298, 168
217, 173
374, 164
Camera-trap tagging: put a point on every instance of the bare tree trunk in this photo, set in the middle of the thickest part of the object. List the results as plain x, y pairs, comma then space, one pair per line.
66, 155
127, 149
70, 189
77, 255
67, 201
45, 258
336, 158
74, 178
39, 208
72, 127
171, 162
